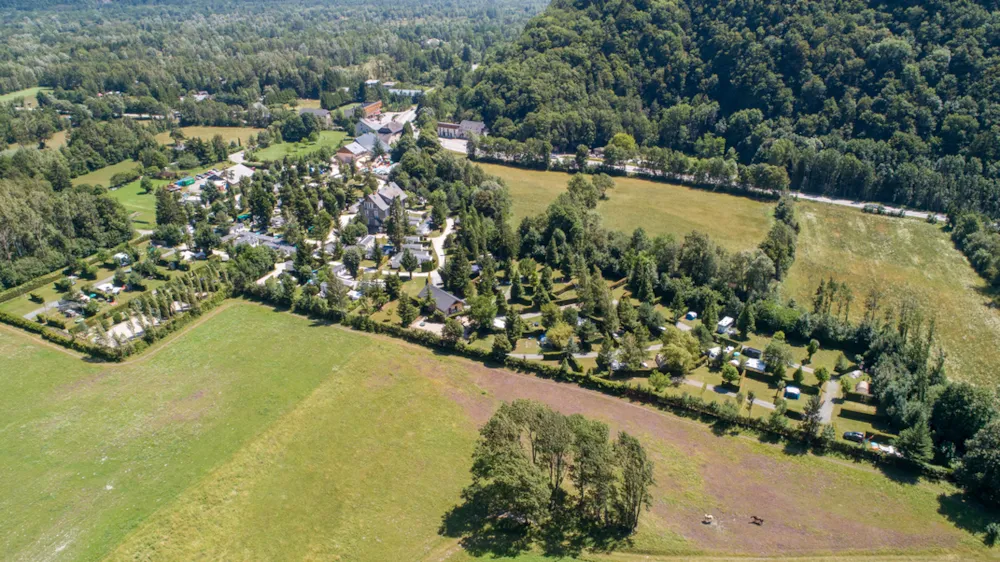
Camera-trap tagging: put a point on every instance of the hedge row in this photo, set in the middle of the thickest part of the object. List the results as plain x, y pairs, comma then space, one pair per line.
77, 344
684, 404
51, 277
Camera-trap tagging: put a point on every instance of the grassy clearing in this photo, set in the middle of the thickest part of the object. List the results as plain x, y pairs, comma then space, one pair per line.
103, 176
230, 443
28, 94
141, 205
735, 222
906, 258
229, 134
305, 103
331, 139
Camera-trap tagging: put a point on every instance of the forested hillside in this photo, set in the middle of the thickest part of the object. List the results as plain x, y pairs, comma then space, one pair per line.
898, 102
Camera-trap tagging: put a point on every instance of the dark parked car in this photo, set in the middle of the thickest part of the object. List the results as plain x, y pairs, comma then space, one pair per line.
855, 436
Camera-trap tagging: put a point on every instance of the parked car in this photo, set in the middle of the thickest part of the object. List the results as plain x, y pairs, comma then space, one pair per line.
855, 436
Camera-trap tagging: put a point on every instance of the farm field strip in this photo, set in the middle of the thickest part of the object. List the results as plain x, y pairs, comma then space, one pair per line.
176, 456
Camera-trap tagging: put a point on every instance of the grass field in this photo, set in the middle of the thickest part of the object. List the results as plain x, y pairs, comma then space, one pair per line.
229, 442
904, 257
229, 134
103, 176
304, 103
141, 205
735, 222
29, 95
331, 139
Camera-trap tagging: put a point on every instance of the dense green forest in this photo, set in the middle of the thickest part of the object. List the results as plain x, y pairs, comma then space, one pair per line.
894, 101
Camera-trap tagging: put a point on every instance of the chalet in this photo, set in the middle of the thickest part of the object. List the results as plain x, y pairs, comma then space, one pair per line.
366, 244
362, 148
371, 108
321, 115
375, 207
448, 130
464, 130
444, 301
351, 152
423, 256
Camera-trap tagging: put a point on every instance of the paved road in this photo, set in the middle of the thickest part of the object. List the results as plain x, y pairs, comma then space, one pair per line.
237, 157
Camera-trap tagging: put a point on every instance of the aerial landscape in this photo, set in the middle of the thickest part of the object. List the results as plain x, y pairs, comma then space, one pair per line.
499, 280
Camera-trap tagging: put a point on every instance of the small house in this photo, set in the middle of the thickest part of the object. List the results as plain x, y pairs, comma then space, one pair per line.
444, 301
724, 325
321, 115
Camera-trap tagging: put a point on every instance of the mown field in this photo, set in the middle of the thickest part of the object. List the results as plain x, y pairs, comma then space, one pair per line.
906, 258
103, 176
229, 134
229, 442
330, 139
735, 222
28, 94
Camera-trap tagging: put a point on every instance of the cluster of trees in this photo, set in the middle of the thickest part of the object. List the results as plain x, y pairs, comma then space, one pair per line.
42, 229
892, 103
528, 454
978, 238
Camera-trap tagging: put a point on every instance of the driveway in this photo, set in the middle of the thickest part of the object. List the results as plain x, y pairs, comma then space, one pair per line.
438, 244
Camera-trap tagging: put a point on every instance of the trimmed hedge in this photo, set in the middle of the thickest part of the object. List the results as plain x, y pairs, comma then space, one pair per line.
70, 342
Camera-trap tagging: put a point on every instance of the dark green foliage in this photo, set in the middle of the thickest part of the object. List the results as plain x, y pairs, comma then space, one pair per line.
42, 230
889, 102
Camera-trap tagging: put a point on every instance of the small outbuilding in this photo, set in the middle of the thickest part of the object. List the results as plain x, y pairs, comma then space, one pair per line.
724, 325
792, 392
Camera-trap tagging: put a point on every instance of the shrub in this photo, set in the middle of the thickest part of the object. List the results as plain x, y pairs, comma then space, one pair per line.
992, 534
35, 297
63, 285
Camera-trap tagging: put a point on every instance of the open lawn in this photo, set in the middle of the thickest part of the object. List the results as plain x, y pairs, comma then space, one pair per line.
330, 139
28, 94
103, 176
229, 134
305, 103
141, 205
228, 442
661, 208
906, 258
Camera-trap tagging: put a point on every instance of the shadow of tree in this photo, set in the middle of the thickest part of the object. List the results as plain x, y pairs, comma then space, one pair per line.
965, 512
564, 533
481, 535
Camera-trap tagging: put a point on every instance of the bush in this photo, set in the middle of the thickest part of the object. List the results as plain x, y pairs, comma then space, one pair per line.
36, 298
63, 285
992, 534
